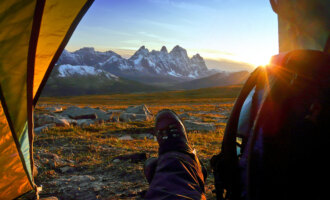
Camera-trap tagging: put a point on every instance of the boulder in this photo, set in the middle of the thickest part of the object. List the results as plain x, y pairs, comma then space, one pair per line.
43, 128
86, 113
114, 111
61, 122
85, 122
131, 117
54, 109
136, 113
198, 126
71, 121
141, 109
43, 119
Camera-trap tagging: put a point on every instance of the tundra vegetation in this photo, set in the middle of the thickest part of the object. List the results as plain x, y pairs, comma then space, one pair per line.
99, 154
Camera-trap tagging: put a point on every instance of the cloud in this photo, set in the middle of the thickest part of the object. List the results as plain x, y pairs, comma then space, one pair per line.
183, 4
161, 24
150, 35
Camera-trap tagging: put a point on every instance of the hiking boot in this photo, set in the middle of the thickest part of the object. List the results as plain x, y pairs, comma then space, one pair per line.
170, 132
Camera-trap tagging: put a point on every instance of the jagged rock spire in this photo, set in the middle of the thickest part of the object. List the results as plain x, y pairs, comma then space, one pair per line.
164, 49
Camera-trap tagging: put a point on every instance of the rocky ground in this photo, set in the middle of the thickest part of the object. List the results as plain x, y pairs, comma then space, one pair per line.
98, 152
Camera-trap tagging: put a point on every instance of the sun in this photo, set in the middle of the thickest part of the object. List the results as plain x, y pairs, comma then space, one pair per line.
254, 58
257, 59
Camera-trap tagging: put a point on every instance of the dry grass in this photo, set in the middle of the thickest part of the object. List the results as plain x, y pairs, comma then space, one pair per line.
93, 148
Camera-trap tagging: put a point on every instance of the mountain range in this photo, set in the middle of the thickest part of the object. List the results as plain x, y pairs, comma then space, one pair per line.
144, 66
87, 71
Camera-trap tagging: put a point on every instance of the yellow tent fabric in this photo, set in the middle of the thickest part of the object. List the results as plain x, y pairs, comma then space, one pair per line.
33, 35
12, 172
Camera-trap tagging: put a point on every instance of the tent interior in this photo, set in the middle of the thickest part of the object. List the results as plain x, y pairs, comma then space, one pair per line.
35, 32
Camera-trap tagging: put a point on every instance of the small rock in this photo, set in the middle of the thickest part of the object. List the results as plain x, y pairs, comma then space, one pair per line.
194, 118
222, 120
49, 198
135, 157
97, 186
43, 128
114, 118
116, 160
125, 137
145, 135
198, 126
184, 116
53, 160
66, 169
82, 178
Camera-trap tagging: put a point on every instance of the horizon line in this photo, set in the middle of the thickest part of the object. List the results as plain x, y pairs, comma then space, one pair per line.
128, 52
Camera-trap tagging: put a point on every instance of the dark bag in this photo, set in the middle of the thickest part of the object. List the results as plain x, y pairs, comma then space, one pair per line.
275, 142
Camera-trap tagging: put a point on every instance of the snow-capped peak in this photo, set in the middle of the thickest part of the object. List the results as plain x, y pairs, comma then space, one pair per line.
173, 64
142, 51
83, 70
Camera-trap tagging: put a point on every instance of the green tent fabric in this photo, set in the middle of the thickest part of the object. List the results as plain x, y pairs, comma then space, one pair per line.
33, 35
302, 24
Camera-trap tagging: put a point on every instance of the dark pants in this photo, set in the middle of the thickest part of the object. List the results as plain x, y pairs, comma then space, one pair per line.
177, 176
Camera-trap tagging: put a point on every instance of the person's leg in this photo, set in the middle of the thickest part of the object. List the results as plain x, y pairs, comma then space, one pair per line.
149, 168
177, 173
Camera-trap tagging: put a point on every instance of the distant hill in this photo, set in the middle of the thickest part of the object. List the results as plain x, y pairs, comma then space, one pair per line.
215, 80
210, 95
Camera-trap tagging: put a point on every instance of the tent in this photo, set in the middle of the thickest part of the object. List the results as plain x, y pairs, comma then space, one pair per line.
33, 34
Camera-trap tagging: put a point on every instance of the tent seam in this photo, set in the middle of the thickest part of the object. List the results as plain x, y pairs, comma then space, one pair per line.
37, 18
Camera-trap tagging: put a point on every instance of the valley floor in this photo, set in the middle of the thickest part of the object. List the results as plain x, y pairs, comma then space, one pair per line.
105, 160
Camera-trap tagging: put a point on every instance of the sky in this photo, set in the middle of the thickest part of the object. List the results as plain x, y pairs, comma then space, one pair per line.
237, 30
